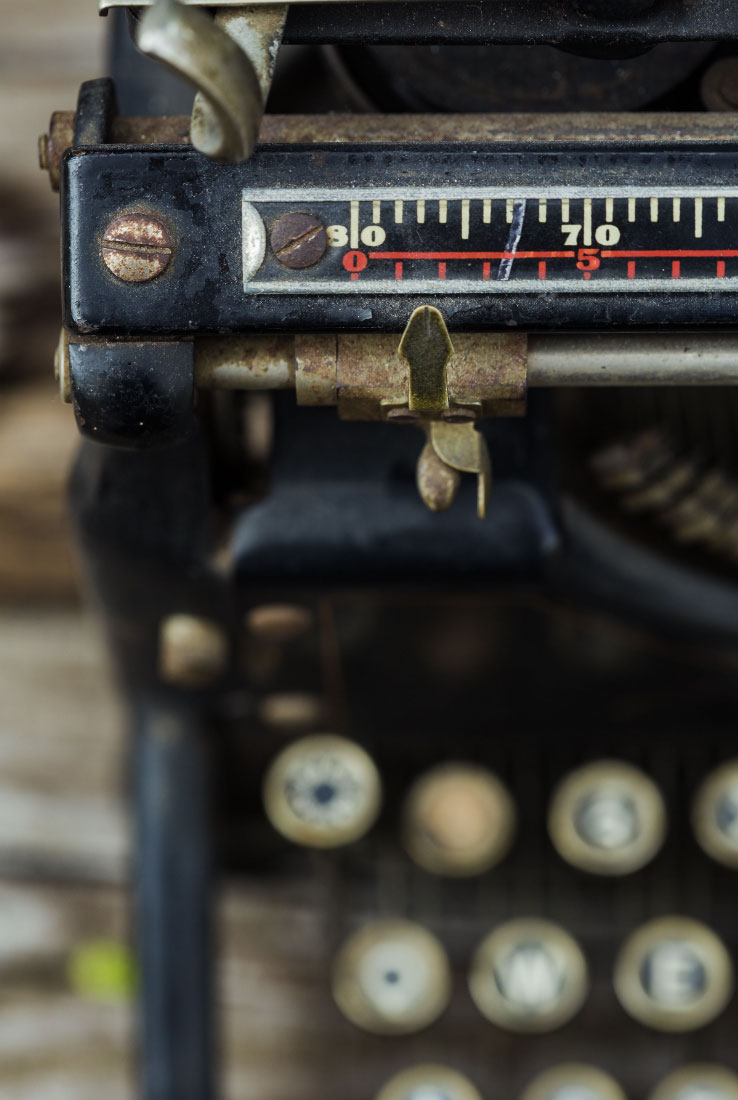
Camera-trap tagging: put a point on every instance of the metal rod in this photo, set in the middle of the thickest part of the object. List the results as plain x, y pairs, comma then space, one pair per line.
173, 903
633, 360
595, 359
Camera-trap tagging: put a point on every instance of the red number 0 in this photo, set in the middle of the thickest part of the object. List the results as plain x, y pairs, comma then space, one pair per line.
355, 261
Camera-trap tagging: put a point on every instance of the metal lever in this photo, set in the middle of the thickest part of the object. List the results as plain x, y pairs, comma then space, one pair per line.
229, 61
452, 436
461, 447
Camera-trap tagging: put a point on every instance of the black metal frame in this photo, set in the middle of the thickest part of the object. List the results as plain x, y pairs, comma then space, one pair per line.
585, 27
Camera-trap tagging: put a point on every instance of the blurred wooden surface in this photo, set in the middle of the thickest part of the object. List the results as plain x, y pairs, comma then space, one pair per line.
38, 438
64, 833
46, 49
64, 859
61, 814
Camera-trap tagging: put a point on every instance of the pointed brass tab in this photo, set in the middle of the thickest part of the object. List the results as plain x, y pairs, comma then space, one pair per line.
427, 347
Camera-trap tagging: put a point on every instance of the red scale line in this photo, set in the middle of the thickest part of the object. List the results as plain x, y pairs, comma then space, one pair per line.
676, 254
473, 255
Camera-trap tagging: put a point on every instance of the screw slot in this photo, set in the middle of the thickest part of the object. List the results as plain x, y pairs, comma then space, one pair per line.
298, 240
136, 247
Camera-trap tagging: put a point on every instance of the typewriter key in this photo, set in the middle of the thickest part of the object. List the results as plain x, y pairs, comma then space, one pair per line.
392, 978
458, 820
698, 1082
322, 791
573, 1082
674, 974
429, 1083
608, 818
715, 814
529, 976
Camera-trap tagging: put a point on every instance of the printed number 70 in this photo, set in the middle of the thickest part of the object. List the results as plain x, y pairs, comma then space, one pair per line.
605, 235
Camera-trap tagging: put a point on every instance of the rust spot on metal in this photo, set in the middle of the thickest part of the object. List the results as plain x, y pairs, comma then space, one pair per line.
136, 247
315, 369
458, 415
489, 371
371, 376
579, 127
298, 239
53, 145
151, 129
403, 415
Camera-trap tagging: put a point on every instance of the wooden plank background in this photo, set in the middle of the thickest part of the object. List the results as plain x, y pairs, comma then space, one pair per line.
64, 836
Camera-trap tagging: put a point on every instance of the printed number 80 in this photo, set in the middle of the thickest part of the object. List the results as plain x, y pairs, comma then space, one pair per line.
371, 235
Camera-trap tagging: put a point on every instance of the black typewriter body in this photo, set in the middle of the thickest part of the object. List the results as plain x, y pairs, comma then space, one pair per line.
486, 735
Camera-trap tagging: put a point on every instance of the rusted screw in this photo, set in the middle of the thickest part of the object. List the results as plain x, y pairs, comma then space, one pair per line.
136, 247
298, 240
278, 622
193, 652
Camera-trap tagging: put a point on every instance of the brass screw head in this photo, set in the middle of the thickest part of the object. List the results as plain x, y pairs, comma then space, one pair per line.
298, 240
136, 247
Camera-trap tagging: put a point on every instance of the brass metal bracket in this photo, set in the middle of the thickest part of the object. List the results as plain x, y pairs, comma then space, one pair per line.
442, 386
460, 447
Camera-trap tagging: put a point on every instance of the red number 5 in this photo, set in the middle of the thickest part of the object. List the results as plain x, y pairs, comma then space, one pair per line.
589, 259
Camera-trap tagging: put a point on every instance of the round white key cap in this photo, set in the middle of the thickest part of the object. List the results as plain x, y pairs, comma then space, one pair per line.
674, 974
715, 814
698, 1082
429, 1083
529, 975
459, 819
392, 978
607, 818
574, 1082
322, 791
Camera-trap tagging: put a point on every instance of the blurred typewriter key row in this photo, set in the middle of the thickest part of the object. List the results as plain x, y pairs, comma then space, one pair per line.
605, 818
575, 1081
392, 977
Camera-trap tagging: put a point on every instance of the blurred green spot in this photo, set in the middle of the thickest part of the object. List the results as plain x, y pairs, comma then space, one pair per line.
102, 969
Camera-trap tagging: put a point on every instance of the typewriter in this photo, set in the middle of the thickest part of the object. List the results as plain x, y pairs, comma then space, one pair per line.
401, 338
